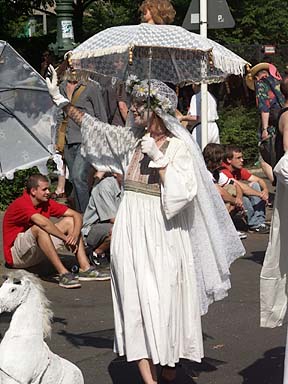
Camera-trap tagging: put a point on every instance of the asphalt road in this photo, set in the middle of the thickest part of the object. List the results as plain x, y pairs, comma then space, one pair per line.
237, 350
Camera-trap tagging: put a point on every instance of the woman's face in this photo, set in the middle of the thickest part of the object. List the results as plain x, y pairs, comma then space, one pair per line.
147, 17
140, 113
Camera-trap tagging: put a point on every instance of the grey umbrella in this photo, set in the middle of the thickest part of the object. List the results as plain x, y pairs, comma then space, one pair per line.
27, 114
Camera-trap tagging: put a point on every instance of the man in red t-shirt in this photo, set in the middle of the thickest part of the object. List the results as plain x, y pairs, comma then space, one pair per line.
29, 235
255, 191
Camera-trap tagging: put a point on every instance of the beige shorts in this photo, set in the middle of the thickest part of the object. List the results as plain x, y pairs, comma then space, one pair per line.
25, 251
232, 190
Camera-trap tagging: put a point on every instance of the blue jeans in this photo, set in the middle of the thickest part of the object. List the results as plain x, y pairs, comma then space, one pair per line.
255, 208
79, 170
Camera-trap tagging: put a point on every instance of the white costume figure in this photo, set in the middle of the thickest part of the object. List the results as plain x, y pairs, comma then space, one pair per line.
166, 238
195, 110
273, 278
24, 355
173, 240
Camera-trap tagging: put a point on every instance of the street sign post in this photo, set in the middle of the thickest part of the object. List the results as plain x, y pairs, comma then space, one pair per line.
65, 36
203, 14
219, 15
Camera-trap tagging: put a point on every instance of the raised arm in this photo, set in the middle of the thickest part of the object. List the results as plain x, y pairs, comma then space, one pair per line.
106, 147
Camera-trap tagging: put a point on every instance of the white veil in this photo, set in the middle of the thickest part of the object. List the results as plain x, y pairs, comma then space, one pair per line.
215, 242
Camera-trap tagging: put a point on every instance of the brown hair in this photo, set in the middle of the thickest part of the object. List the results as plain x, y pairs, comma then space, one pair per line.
162, 11
33, 181
229, 149
213, 155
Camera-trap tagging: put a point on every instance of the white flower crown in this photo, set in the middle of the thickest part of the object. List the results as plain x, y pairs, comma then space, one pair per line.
140, 89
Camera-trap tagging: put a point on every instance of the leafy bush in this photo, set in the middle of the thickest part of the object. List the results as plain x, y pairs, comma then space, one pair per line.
11, 189
239, 125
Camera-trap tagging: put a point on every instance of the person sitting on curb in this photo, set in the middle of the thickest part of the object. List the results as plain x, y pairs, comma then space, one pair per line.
29, 235
99, 217
230, 191
255, 191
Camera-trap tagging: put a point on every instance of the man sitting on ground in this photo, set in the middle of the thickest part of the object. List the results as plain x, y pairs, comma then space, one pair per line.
230, 191
255, 191
29, 235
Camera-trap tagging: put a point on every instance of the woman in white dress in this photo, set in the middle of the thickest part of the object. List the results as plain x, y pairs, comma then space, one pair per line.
173, 240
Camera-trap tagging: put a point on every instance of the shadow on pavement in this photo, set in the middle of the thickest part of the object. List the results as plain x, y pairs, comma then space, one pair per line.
98, 339
194, 370
5, 319
188, 372
256, 256
267, 370
60, 320
122, 372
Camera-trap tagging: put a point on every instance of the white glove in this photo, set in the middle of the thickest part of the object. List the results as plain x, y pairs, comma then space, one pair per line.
148, 146
53, 88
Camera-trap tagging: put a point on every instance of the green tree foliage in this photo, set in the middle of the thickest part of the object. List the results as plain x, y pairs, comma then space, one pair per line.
11, 189
105, 14
256, 21
238, 125
15, 13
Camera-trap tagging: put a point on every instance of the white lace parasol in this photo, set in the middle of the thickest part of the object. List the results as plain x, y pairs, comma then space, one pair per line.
178, 56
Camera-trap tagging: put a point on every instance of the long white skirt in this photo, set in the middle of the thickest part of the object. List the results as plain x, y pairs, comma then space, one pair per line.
155, 299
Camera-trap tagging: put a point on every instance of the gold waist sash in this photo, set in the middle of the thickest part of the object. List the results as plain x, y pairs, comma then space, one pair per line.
147, 189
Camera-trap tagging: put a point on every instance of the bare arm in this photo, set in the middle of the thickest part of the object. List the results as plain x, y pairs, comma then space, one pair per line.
239, 196
48, 226
248, 191
190, 118
77, 218
123, 109
264, 123
264, 193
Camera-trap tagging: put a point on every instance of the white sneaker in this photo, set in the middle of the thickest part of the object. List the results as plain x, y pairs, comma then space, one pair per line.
242, 235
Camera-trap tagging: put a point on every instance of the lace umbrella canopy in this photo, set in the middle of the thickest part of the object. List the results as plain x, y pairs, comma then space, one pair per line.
27, 115
165, 52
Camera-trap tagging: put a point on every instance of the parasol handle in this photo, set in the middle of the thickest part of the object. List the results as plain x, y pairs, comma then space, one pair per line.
149, 83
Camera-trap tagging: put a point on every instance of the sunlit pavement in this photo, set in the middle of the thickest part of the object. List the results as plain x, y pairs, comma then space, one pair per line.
237, 350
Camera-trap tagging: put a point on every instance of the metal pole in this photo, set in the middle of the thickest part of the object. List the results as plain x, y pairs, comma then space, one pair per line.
204, 89
44, 24
65, 35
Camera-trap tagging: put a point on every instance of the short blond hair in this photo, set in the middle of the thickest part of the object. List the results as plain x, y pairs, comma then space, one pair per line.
162, 11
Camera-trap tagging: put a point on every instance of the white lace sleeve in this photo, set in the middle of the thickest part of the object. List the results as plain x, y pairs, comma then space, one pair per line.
108, 147
180, 184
